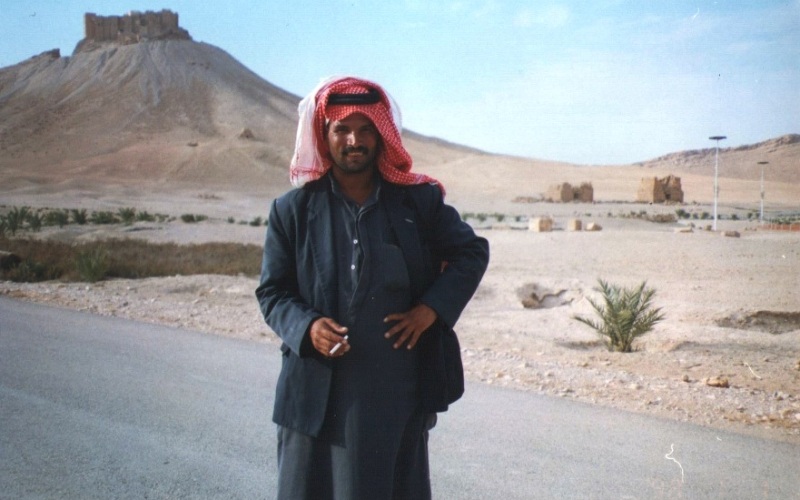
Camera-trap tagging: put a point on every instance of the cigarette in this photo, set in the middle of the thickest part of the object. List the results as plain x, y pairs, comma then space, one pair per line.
336, 347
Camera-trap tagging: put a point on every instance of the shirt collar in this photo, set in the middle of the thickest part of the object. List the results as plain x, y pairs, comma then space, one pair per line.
373, 198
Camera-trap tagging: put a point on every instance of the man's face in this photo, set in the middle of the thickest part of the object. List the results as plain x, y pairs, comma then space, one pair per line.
353, 142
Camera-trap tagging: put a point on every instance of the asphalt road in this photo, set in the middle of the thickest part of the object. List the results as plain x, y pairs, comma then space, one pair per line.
97, 407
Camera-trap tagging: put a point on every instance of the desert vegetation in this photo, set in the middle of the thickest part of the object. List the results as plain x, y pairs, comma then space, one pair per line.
625, 315
39, 260
17, 219
25, 219
641, 214
20, 219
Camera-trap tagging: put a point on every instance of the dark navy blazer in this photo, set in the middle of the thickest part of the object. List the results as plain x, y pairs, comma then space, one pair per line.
299, 279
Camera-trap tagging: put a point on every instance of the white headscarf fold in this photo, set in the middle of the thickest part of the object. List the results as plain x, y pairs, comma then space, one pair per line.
311, 159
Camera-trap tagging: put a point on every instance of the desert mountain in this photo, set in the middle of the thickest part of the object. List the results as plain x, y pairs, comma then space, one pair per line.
739, 162
162, 110
165, 113
168, 110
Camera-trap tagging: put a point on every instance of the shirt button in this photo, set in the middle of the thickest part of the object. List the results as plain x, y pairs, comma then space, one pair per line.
353, 267
355, 242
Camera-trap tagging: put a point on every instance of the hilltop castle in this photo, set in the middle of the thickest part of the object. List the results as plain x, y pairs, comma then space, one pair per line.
133, 27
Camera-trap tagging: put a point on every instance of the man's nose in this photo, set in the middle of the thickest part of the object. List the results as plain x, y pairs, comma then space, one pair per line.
353, 139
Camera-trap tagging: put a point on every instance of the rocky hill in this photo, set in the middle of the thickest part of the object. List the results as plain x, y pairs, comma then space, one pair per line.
782, 155
169, 109
159, 108
139, 109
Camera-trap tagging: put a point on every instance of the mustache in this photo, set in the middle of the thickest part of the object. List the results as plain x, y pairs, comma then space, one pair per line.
355, 149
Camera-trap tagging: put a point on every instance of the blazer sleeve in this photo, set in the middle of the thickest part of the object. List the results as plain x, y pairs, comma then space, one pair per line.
463, 255
279, 295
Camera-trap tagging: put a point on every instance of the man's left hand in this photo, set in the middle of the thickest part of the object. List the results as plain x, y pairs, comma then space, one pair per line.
410, 325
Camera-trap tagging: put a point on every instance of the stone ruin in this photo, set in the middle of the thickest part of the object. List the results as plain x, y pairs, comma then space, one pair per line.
540, 224
133, 27
655, 190
565, 192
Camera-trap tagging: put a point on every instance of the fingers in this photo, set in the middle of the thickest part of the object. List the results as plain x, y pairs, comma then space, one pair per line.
339, 345
402, 330
326, 334
330, 339
410, 325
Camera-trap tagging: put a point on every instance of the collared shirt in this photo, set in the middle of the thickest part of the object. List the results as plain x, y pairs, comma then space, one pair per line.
359, 231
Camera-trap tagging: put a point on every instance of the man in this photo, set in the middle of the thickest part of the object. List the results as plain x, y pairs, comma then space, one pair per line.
361, 260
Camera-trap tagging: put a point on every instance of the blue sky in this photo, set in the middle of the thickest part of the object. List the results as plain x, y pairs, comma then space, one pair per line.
592, 82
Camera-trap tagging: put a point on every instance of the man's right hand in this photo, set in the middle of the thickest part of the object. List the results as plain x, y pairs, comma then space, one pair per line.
325, 334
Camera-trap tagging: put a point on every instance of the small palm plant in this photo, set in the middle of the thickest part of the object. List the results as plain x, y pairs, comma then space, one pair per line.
627, 315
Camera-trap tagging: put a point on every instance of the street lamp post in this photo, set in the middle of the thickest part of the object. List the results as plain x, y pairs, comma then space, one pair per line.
761, 212
716, 176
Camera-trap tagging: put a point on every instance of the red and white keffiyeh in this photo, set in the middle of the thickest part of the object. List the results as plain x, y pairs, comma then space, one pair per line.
312, 157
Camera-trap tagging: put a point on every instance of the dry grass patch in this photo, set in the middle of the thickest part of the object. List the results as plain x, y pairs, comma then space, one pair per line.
117, 258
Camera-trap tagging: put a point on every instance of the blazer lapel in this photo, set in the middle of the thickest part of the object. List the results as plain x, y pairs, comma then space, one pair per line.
323, 257
403, 219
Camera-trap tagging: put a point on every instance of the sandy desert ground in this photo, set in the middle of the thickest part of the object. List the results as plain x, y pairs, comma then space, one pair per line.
732, 306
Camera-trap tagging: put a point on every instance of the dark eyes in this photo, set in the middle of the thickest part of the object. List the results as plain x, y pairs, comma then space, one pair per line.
345, 130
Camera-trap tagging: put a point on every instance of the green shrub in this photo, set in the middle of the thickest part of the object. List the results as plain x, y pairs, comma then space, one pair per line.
626, 315
256, 221
15, 219
92, 264
145, 216
191, 218
79, 216
28, 271
127, 215
34, 221
58, 218
103, 217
